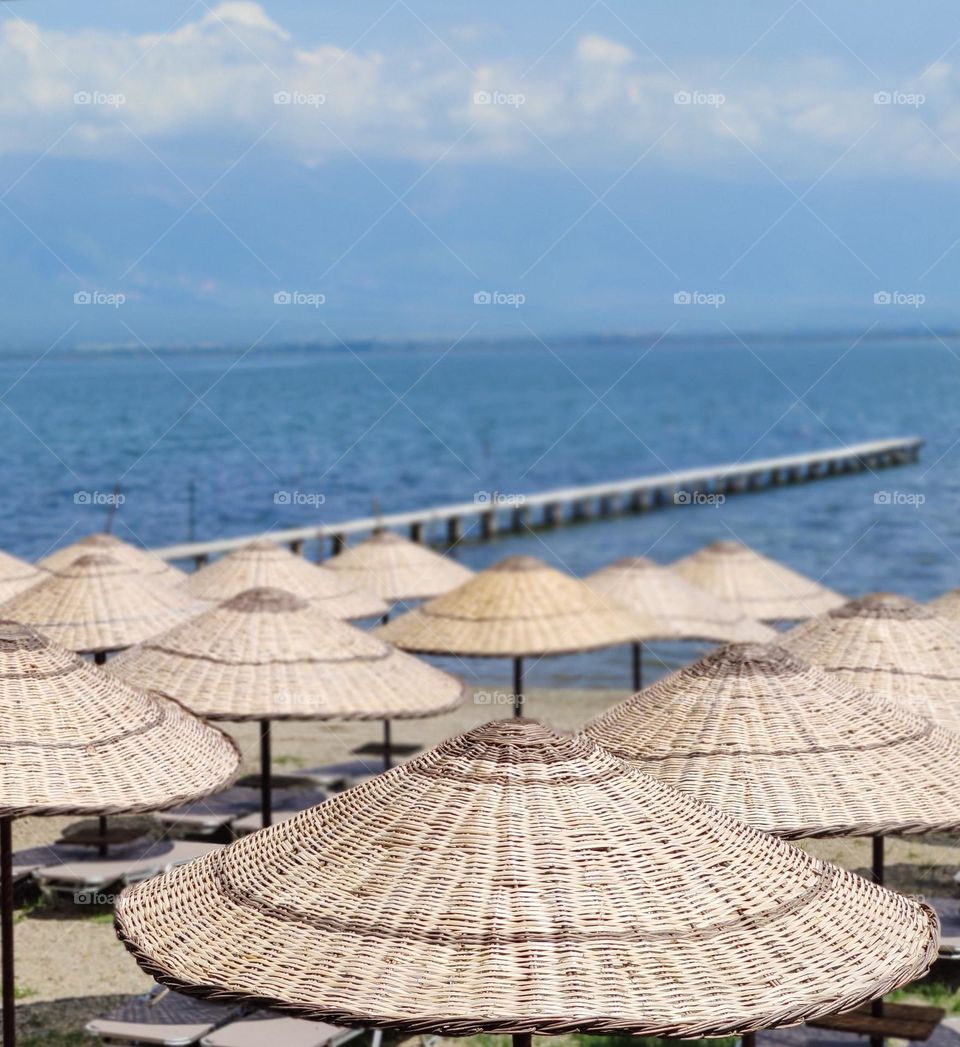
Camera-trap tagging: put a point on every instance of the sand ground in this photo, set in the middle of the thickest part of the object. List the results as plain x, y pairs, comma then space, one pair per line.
70, 966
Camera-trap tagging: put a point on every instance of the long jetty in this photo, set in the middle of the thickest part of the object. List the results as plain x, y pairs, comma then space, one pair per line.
499, 513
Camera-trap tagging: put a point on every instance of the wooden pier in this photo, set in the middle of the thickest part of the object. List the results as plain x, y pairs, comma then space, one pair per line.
499, 513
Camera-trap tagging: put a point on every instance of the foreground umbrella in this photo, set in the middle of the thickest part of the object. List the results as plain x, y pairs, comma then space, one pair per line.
790, 749
75, 741
17, 575
397, 569
891, 646
520, 607
513, 880
142, 560
98, 604
674, 609
264, 564
760, 587
269, 655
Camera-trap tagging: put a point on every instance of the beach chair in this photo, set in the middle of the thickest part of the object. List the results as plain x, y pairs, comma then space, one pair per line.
305, 798
212, 815
91, 880
269, 1029
162, 1017
339, 776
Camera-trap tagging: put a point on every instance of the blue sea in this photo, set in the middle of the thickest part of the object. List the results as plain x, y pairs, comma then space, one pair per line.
206, 444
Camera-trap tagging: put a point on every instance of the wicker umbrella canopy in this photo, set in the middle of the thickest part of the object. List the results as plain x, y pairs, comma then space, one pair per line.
947, 605
788, 748
17, 575
267, 654
891, 646
395, 568
141, 560
515, 880
516, 608
674, 609
760, 587
73, 740
99, 604
265, 564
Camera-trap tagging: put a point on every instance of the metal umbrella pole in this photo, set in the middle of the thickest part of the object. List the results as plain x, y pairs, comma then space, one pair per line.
387, 749
6, 931
637, 651
876, 1006
518, 687
266, 781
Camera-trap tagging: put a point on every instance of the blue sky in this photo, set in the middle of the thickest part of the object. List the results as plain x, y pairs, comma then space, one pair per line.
592, 167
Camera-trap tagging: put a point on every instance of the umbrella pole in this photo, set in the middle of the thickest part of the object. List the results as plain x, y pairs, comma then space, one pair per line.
6, 931
876, 1006
100, 658
266, 783
748, 1039
637, 666
522, 1039
518, 687
387, 751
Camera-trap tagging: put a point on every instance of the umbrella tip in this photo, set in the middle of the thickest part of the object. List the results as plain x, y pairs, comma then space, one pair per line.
265, 600
518, 563
883, 605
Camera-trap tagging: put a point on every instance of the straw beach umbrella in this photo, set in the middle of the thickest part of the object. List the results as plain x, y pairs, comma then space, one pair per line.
789, 749
269, 655
141, 560
891, 646
264, 564
674, 609
17, 575
75, 741
947, 605
397, 569
520, 607
760, 587
98, 604
513, 880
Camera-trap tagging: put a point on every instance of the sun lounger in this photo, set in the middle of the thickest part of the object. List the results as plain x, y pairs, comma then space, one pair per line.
251, 823
339, 776
268, 1029
217, 814
948, 909
162, 1017
88, 878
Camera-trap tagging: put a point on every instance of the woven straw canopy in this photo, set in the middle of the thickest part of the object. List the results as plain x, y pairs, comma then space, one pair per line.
518, 607
141, 560
267, 654
788, 748
672, 608
395, 568
265, 564
760, 587
947, 605
73, 740
99, 604
891, 646
514, 880
17, 575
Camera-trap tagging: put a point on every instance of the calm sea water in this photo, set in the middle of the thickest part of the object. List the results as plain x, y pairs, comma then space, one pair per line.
343, 434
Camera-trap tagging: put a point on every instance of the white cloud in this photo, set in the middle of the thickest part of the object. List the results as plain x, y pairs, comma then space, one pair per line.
211, 82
